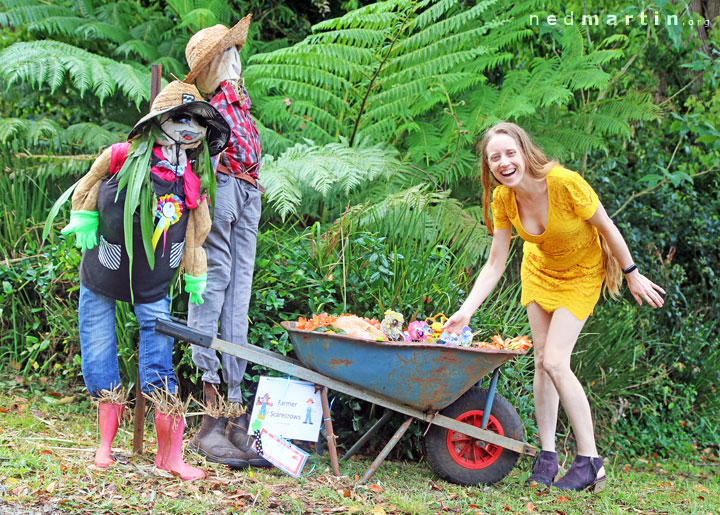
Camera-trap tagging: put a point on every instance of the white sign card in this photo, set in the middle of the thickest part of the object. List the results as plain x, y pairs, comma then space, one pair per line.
288, 408
281, 453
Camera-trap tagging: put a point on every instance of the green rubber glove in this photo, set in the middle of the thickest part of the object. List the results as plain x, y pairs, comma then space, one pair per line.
195, 286
85, 225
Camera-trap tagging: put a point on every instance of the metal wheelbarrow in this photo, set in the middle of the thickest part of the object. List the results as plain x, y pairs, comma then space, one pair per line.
476, 436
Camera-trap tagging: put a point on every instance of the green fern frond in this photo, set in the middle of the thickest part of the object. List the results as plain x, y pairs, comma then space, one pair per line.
47, 62
311, 112
604, 125
307, 167
281, 192
198, 19
561, 142
86, 8
91, 136
434, 215
342, 59
433, 13
117, 128
57, 25
142, 49
600, 57
273, 144
318, 77
633, 106
19, 13
132, 78
44, 129
427, 67
423, 142
357, 38
586, 78
572, 42
105, 31
622, 39
13, 128
171, 65
378, 14
454, 24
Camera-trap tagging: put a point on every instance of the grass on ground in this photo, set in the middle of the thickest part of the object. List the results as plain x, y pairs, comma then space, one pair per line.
48, 439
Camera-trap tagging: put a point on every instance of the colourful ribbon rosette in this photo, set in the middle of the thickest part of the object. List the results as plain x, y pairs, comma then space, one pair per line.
169, 210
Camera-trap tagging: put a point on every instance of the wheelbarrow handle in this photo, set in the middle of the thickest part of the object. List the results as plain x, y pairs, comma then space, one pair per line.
180, 331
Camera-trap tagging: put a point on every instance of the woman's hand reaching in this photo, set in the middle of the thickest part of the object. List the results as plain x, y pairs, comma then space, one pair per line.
455, 323
643, 288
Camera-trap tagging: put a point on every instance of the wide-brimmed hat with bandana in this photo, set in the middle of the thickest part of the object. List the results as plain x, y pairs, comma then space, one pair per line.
185, 98
209, 43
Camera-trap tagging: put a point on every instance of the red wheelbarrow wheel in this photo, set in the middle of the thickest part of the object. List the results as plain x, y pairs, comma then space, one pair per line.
460, 459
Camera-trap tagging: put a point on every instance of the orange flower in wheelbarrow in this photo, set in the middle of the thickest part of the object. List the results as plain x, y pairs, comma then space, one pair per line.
500, 343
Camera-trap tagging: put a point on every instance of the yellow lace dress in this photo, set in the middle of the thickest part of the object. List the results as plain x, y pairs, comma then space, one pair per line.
563, 266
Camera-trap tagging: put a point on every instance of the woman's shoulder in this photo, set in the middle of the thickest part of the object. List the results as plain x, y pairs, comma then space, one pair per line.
500, 193
560, 173
570, 179
572, 191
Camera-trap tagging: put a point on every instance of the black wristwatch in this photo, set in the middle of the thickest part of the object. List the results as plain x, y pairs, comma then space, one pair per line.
629, 269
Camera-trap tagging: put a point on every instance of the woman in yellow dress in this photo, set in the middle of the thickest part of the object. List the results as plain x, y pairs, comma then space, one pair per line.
571, 247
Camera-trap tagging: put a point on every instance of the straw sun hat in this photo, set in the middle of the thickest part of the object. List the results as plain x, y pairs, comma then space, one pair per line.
185, 98
209, 43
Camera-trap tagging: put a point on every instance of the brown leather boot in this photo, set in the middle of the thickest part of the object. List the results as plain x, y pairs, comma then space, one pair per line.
210, 440
236, 431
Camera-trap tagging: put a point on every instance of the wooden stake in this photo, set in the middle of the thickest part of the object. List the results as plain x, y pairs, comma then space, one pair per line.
332, 450
139, 421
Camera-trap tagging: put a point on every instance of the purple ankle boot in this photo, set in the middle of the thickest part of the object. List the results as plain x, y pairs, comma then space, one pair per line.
545, 468
585, 473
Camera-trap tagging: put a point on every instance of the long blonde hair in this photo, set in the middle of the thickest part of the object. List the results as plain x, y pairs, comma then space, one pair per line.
538, 165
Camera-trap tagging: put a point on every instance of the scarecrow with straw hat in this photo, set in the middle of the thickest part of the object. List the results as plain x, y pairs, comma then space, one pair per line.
214, 60
138, 217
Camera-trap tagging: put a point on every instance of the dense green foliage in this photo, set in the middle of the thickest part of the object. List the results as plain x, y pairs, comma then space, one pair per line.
368, 120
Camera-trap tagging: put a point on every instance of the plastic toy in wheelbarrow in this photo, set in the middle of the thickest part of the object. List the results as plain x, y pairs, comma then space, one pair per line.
430, 331
391, 328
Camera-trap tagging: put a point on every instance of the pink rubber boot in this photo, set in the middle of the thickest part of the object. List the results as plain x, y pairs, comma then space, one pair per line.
162, 429
108, 421
170, 448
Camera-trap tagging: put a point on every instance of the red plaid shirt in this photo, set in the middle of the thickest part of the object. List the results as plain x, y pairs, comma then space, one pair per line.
242, 154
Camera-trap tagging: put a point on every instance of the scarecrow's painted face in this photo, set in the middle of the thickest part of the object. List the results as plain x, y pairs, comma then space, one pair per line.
225, 67
181, 127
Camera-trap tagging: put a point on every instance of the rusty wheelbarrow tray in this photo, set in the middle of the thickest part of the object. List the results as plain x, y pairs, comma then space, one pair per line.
413, 379
423, 376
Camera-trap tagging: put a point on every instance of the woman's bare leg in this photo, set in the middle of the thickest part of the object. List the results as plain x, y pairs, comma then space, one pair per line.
546, 397
560, 340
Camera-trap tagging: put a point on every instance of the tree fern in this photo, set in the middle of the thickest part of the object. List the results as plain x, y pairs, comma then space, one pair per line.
17, 13
370, 68
552, 97
307, 167
30, 131
47, 133
47, 62
420, 211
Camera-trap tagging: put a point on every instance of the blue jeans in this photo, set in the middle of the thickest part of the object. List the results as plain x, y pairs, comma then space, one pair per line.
230, 249
98, 344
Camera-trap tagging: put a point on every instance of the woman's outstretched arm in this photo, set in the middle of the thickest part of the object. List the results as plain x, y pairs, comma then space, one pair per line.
640, 286
485, 282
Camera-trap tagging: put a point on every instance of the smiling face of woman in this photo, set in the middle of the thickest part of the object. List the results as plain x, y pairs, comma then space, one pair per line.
505, 159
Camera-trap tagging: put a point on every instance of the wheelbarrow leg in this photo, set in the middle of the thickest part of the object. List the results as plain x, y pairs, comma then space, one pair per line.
332, 450
139, 419
490, 398
374, 429
386, 450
